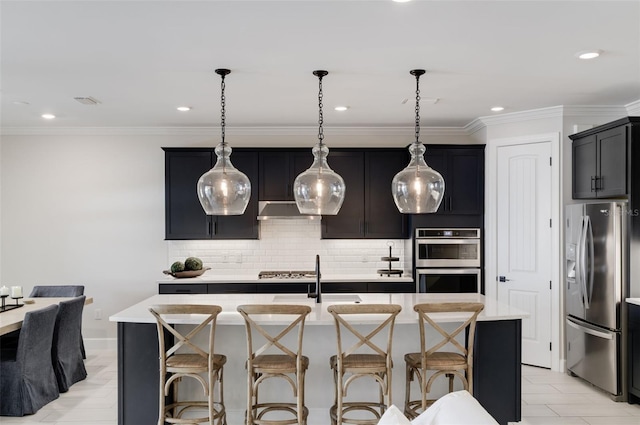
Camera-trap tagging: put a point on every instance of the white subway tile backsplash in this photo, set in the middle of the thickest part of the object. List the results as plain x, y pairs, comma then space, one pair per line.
293, 245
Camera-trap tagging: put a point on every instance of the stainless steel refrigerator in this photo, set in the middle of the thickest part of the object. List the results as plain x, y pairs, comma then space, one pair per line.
597, 252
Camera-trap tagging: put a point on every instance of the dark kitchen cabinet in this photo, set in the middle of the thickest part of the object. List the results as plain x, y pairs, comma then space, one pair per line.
184, 216
368, 211
633, 378
462, 168
279, 169
600, 164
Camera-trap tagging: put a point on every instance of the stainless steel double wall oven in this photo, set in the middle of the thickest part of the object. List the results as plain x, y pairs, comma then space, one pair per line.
448, 260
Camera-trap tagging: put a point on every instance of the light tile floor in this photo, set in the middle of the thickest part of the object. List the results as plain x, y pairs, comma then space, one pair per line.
547, 398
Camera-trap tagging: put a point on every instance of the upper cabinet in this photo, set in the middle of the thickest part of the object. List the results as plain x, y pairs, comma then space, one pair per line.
462, 168
184, 216
600, 162
368, 210
279, 169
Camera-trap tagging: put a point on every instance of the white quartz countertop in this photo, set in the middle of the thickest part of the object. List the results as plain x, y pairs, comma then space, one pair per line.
635, 301
139, 312
212, 277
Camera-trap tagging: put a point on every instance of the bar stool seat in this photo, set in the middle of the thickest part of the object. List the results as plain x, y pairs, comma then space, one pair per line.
279, 362
361, 361
438, 360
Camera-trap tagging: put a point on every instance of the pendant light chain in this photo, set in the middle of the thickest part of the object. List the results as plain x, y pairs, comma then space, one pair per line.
417, 108
320, 116
223, 105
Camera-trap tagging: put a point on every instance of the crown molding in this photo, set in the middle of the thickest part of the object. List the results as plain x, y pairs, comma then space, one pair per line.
633, 108
594, 111
515, 117
237, 131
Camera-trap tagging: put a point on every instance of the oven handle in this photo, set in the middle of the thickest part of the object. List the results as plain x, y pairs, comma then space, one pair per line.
429, 270
469, 241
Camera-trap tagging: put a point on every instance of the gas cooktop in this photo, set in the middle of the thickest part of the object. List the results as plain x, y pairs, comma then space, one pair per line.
286, 274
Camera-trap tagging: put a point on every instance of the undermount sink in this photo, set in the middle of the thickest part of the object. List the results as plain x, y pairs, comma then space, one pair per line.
326, 298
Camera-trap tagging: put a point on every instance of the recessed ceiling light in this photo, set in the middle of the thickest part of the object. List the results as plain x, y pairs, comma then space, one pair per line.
497, 108
589, 54
341, 108
401, 1
48, 116
183, 108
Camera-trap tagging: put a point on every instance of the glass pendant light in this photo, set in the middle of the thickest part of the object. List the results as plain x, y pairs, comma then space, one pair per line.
418, 189
319, 190
224, 190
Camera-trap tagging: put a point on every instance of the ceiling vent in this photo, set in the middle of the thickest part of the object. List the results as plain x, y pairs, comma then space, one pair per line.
87, 100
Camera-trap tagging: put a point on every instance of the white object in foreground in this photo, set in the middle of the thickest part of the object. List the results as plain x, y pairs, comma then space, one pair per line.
457, 408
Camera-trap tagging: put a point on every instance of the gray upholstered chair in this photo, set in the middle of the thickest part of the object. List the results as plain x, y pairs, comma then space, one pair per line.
28, 381
57, 291
65, 353
60, 291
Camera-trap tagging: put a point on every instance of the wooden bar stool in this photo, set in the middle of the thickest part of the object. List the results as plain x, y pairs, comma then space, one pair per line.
191, 362
274, 360
449, 363
361, 360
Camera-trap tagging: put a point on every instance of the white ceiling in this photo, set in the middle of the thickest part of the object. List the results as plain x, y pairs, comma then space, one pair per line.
142, 59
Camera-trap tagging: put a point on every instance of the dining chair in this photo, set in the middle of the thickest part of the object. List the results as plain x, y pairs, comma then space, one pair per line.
27, 378
455, 361
60, 291
360, 357
66, 355
191, 362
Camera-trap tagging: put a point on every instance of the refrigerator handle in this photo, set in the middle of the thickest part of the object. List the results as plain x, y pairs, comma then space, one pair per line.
591, 262
582, 246
590, 331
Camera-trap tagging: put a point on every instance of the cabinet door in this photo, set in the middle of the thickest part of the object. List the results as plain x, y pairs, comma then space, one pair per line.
612, 172
278, 171
182, 288
463, 174
231, 288
243, 226
634, 350
349, 222
584, 167
464, 186
275, 184
382, 218
184, 216
437, 158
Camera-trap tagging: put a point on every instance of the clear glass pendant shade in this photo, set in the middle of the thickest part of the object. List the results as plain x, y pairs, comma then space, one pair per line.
224, 190
417, 189
319, 190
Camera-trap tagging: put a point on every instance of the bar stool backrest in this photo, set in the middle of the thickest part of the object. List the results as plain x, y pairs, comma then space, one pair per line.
427, 316
210, 313
298, 315
342, 313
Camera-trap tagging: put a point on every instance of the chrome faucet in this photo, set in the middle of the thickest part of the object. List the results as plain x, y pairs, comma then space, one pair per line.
318, 292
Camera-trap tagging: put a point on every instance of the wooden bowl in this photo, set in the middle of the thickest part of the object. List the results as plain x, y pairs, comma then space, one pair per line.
187, 273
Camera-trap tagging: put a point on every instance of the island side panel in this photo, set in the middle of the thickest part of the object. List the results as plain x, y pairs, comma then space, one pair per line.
138, 374
497, 370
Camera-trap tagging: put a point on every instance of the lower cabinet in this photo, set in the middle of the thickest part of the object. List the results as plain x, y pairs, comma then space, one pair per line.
280, 287
633, 378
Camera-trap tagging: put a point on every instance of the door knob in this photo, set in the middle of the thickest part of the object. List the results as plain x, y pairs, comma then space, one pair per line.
503, 279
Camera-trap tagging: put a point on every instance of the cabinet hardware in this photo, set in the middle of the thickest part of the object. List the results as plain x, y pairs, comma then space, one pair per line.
593, 180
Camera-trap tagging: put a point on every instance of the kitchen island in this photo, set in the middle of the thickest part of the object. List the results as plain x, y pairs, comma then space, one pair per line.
497, 355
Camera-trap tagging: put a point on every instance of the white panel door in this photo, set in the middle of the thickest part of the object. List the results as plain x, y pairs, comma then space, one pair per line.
524, 262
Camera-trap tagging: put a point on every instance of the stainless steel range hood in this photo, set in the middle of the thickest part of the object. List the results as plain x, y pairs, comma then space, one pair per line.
282, 210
